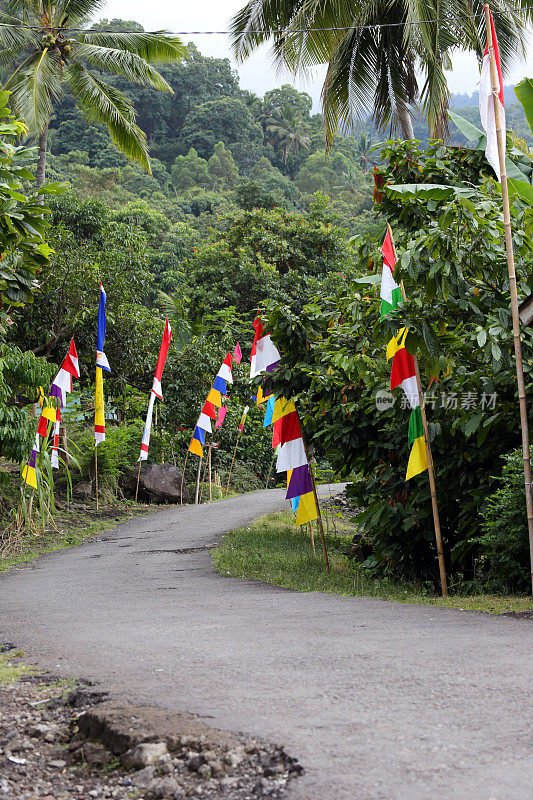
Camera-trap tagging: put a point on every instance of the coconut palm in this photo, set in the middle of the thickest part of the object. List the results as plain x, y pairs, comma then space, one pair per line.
375, 49
285, 128
48, 51
363, 151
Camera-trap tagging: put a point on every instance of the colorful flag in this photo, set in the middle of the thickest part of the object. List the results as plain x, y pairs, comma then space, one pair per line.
307, 510
221, 416
243, 418
101, 360
156, 390
269, 413
62, 383
54, 459
237, 355
258, 327
161, 359
486, 103
101, 364
391, 292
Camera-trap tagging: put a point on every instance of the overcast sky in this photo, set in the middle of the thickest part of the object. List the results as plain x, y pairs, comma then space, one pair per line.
258, 74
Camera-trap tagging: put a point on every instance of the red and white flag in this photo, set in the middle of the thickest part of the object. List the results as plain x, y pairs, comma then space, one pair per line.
156, 390
486, 103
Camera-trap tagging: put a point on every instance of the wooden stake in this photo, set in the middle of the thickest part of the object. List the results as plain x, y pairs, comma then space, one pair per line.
203, 479
319, 519
96, 473
210, 482
198, 480
182, 477
429, 458
138, 476
270, 470
232, 460
500, 136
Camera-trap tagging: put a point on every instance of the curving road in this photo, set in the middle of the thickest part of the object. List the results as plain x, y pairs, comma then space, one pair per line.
379, 701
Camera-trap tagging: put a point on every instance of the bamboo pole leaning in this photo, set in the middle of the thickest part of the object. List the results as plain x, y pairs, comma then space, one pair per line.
500, 138
429, 457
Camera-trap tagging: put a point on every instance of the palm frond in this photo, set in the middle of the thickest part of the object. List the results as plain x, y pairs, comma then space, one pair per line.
75, 12
156, 48
103, 103
35, 87
122, 62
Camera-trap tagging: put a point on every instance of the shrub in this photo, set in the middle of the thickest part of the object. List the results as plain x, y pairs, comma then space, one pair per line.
504, 543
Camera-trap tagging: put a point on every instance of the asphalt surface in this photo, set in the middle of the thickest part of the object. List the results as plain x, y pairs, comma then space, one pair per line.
379, 701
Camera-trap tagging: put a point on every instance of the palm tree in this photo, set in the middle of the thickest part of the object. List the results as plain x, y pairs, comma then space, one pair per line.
285, 127
363, 150
376, 48
49, 52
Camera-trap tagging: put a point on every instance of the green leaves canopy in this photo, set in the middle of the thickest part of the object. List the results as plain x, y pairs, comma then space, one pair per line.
48, 54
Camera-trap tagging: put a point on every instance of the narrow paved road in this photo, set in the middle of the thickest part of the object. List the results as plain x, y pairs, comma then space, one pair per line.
379, 701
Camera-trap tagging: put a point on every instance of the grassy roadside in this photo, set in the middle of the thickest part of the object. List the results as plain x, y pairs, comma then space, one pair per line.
272, 549
71, 529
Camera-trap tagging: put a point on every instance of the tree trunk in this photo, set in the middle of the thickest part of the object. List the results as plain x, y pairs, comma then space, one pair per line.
406, 124
41, 161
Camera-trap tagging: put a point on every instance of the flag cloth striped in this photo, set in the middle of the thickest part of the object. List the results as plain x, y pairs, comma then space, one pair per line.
101, 364
209, 410
54, 459
292, 455
299, 482
282, 407
486, 103
243, 418
156, 390
99, 416
220, 385
196, 447
205, 422
62, 383
307, 510
221, 416
269, 412
391, 292
214, 397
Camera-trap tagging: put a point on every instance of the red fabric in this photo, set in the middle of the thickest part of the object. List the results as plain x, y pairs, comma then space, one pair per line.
42, 428
228, 361
163, 350
258, 325
388, 252
403, 367
276, 433
209, 409
68, 364
289, 428
496, 57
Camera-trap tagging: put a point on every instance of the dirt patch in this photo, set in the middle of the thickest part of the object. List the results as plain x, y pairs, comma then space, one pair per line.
59, 742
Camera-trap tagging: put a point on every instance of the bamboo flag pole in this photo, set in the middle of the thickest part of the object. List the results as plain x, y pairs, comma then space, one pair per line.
232, 460
500, 138
198, 480
203, 479
138, 477
210, 482
429, 456
96, 472
183, 476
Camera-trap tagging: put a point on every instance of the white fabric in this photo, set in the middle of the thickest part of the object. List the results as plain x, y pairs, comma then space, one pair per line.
291, 455
54, 460
267, 354
486, 111
387, 284
63, 381
156, 388
253, 368
204, 422
98, 437
37, 445
410, 388
147, 428
225, 373
101, 361
76, 365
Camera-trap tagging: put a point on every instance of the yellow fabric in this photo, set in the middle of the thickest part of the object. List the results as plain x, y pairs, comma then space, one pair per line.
289, 473
99, 416
196, 447
282, 407
50, 413
260, 396
307, 509
30, 476
396, 343
418, 461
215, 397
